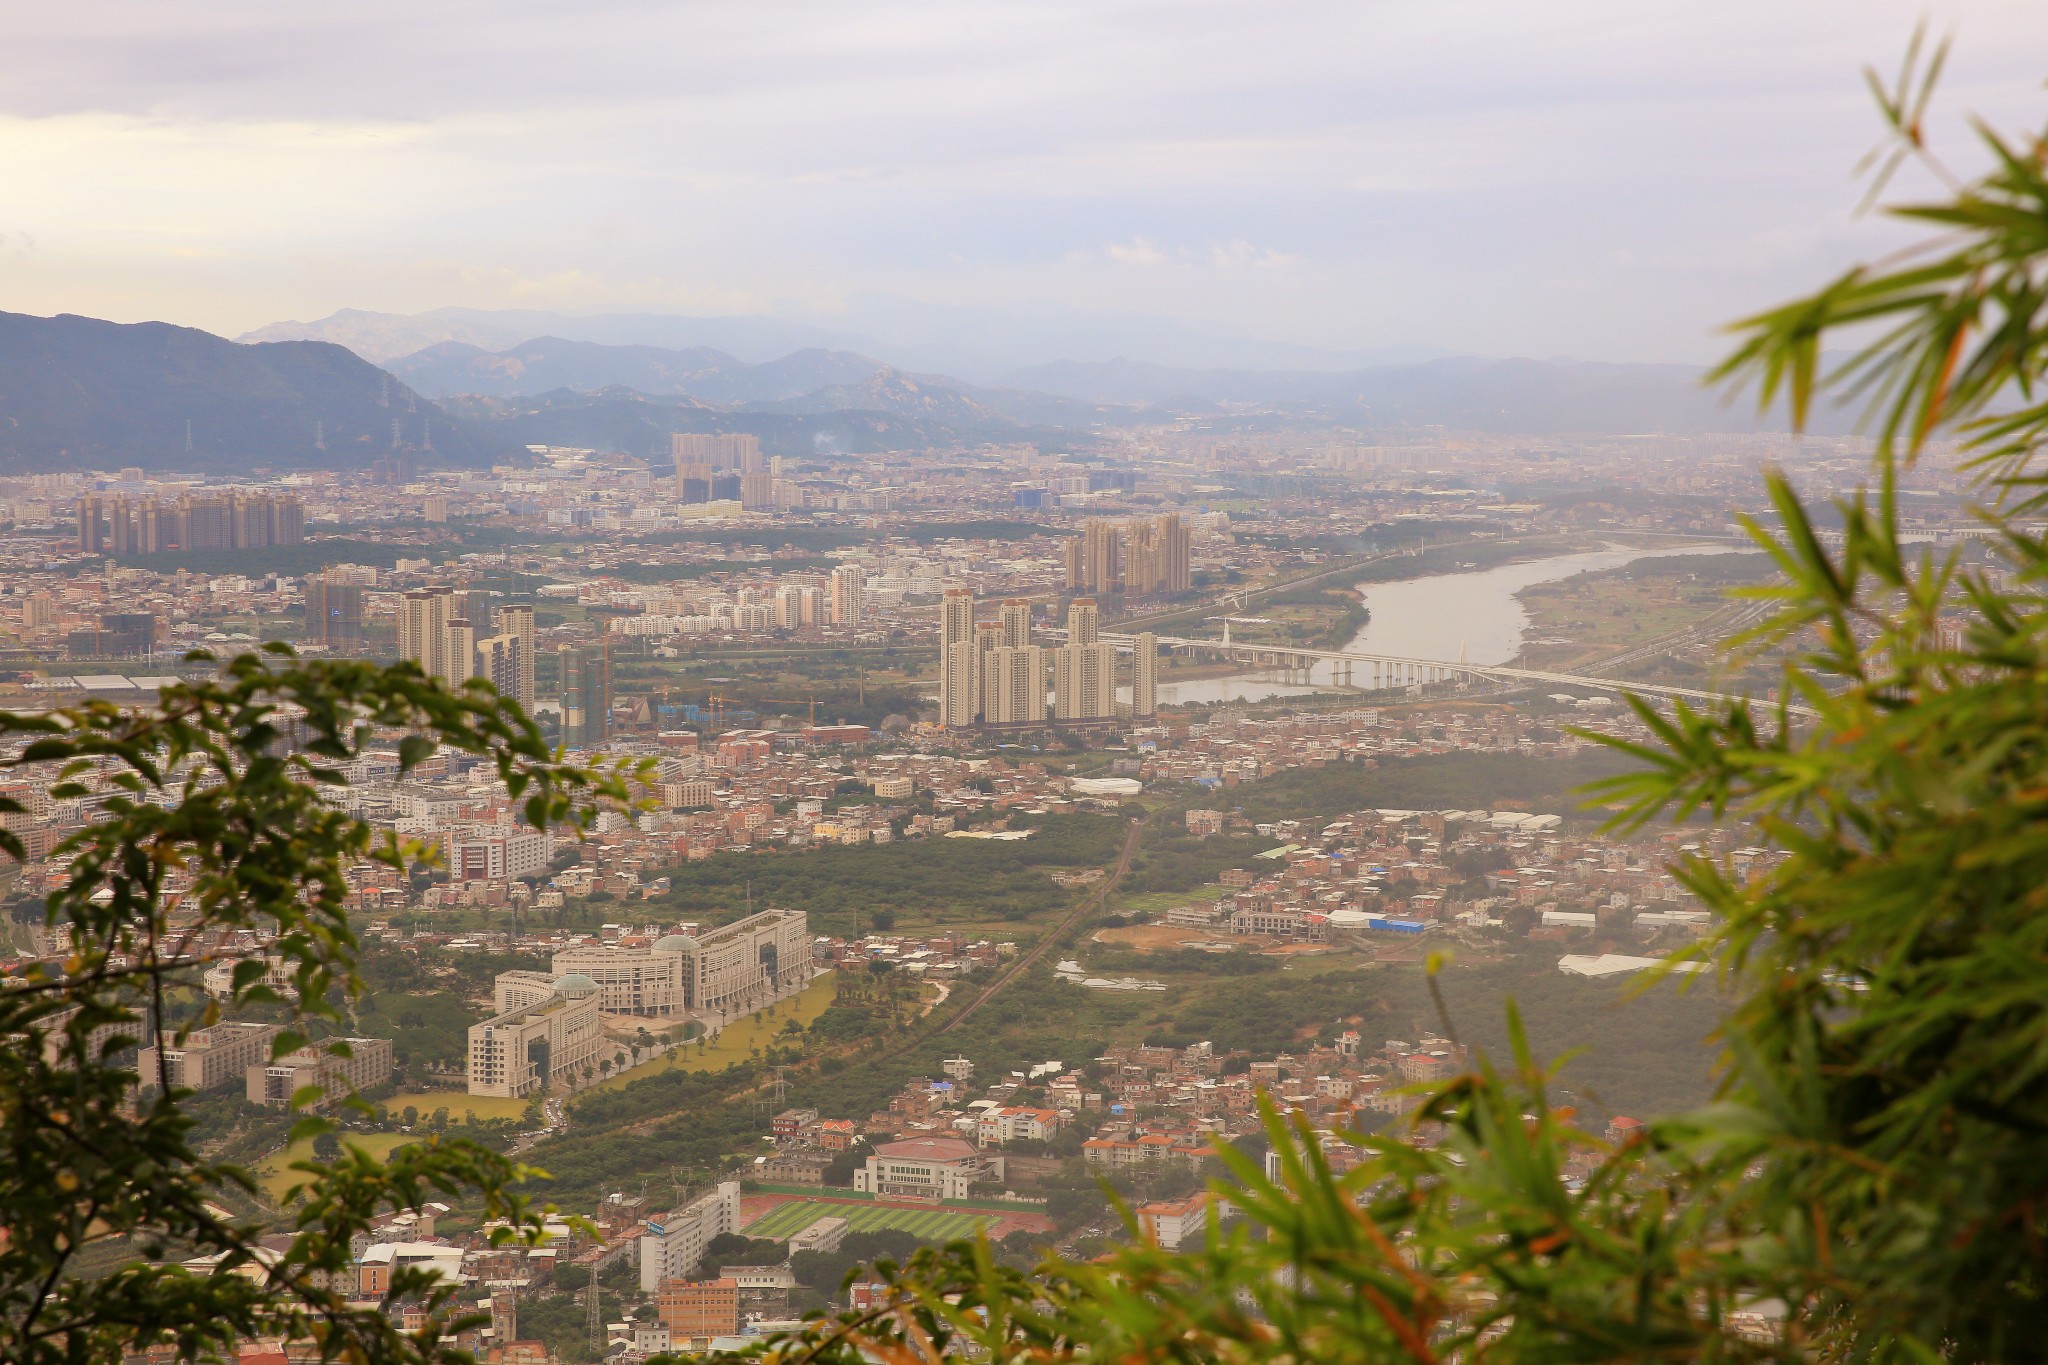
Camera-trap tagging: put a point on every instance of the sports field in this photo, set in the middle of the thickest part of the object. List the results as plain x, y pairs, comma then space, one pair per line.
932, 1225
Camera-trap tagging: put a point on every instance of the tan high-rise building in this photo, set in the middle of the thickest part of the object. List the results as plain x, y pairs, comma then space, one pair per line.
500, 659
959, 659
1095, 558
1083, 669
1084, 682
423, 616
1016, 623
458, 652
1013, 685
518, 623
1145, 674
1083, 621
1157, 561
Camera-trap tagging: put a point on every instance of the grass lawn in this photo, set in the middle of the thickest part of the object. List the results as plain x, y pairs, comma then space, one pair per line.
274, 1174
932, 1225
736, 1041
458, 1104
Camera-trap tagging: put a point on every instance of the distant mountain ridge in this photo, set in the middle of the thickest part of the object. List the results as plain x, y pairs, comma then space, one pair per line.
1537, 397
544, 364
385, 337
1463, 393
82, 393
79, 392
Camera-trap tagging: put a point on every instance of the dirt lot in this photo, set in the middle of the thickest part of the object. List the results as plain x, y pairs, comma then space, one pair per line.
1148, 936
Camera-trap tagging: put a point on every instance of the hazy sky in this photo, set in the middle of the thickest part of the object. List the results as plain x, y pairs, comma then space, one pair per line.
1603, 178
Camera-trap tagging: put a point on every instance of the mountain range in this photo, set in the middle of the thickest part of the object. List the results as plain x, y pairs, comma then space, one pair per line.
1534, 397
82, 393
978, 342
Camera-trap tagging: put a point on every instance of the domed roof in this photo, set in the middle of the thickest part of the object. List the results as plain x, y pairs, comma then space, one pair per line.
675, 943
575, 985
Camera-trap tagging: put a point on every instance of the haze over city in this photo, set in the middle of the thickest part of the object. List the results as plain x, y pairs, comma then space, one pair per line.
1317, 184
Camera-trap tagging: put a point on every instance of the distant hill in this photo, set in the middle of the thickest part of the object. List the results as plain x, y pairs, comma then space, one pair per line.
79, 392
637, 424
901, 395
384, 337
1536, 397
547, 363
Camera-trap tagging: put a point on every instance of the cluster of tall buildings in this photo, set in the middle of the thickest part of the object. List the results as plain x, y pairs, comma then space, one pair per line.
453, 636
1145, 558
991, 673
722, 467
838, 600
122, 526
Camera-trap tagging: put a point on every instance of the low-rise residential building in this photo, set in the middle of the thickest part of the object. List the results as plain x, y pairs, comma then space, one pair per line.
1170, 1222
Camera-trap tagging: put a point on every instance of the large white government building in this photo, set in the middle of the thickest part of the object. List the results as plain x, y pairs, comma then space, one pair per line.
547, 1027
740, 966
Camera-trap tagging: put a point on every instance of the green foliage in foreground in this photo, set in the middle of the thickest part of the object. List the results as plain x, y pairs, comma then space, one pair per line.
1872, 1182
218, 793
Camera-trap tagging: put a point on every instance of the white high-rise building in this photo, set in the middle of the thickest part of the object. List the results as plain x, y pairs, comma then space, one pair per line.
849, 587
959, 661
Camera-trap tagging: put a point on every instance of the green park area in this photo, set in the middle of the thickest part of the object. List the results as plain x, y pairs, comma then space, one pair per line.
931, 1225
460, 1106
274, 1174
737, 1041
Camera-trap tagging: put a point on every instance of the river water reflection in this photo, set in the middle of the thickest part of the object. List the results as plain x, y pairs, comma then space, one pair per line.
1440, 616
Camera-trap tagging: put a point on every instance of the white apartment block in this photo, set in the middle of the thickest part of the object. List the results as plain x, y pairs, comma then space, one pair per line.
672, 1246
496, 855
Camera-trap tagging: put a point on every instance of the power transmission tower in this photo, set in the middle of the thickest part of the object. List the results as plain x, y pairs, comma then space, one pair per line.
596, 1318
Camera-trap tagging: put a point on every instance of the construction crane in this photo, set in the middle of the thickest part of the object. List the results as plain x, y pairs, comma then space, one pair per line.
812, 702
718, 705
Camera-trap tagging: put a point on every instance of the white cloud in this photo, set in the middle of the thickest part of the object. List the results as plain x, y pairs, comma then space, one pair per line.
1138, 251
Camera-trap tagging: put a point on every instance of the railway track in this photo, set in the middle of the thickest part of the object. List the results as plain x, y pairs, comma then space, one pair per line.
1058, 932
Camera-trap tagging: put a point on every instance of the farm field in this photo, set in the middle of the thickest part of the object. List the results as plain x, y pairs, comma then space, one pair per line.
932, 1225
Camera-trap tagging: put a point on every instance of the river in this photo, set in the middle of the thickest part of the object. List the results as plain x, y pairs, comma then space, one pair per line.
1439, 616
